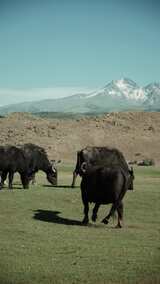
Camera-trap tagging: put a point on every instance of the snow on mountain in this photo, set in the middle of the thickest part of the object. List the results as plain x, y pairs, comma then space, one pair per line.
93, 94
123, 88
154, 87
152, 96
130, 89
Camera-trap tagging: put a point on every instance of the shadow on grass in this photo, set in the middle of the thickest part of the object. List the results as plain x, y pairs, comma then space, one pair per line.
52, 216
59, 186
12, 189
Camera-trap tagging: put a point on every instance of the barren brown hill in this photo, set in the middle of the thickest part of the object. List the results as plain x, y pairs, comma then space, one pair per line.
136, 134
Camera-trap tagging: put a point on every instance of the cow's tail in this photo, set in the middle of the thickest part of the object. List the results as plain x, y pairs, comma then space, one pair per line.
76, 170
122, 193
78, 164
125, 185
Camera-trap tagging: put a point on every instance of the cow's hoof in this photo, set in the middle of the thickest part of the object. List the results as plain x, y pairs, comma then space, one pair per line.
85, 221
118, 226
105, 221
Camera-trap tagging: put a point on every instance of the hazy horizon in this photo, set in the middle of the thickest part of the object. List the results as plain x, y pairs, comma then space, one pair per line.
18, 95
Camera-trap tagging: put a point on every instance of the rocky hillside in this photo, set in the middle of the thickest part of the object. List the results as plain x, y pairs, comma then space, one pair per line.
137, 134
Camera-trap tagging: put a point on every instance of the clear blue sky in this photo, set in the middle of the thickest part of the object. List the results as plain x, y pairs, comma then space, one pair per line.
84, 43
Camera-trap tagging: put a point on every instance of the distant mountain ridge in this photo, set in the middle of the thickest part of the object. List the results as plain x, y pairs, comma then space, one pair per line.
118, 95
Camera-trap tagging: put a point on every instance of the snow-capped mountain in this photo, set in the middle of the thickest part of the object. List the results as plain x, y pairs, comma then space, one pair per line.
118, 95
152, 92
124, 89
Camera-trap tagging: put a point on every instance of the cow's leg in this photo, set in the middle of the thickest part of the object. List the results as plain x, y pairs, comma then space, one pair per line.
10, 178
0, 182
95, 210
3, 178
74, 179
33, 179
86, 209
24, 180
114, 207
118, 199
106, 219
120, 215
111, 212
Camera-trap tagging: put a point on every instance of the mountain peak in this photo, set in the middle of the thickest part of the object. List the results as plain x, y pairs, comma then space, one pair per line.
123, 82
129, 89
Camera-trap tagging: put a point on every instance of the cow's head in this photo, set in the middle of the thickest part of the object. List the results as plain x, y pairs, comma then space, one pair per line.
52, 172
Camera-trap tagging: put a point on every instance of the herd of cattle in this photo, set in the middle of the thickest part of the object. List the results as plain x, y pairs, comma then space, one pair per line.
105, 174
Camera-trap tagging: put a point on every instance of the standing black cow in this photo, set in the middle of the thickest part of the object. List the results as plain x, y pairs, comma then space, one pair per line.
103, 185
99, 156
38, 160
12, 160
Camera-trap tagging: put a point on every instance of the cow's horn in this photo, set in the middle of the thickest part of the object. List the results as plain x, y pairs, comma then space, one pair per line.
131, 169
83, 167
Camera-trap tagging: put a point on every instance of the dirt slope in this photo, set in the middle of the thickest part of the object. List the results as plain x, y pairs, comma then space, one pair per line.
137, 134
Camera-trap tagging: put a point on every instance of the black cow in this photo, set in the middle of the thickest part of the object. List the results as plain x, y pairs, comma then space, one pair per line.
100, 156
104, 185
35, 159
12, 160
38, 160
54, 167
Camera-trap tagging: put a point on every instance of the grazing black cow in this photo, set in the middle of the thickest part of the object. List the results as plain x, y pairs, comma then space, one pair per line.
100, 156
38, 160
103, 185
33, 175
35, 159
12, 160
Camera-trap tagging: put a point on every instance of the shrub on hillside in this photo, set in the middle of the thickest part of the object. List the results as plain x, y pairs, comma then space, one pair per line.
146, 162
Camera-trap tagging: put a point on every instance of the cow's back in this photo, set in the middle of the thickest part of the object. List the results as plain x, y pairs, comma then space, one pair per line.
12, 158
36, 156
104, 156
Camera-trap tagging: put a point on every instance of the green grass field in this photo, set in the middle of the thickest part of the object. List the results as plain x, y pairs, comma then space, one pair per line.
42, 240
